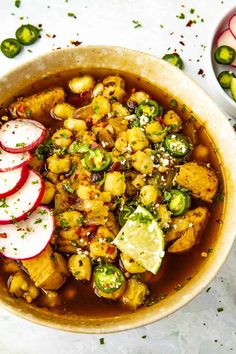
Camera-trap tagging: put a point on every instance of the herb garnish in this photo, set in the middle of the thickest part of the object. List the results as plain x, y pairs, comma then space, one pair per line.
137, 24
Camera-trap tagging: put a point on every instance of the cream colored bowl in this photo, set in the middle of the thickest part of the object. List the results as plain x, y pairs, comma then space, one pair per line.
174, 81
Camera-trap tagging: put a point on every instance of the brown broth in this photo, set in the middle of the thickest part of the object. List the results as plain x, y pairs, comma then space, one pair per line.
176, 270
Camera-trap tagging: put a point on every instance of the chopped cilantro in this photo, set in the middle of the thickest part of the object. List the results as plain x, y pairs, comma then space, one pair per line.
74, 243
35, 182
67, 187
96, 108
20, 144
28, 112
17, 3
3, 203
38, 221
71, 14
192, 11
220, 309
64, 223
43, 150
137, 24
173, 103
181, 16
143, 219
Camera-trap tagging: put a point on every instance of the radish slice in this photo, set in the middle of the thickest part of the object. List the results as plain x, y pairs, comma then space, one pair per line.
27, 238
12, 181
226, 38
21, 135
232, 25
9, 162
20, 204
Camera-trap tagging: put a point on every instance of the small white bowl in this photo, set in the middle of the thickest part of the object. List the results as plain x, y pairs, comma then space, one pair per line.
213, 69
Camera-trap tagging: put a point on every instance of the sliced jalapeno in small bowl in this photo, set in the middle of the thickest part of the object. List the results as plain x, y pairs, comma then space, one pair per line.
225, 54
97, 159
177, 145
10, 47
27, 34
225, 78
108, 278
174, 59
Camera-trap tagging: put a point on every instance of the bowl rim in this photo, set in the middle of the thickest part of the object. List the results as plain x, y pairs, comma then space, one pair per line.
221, 21
163, 71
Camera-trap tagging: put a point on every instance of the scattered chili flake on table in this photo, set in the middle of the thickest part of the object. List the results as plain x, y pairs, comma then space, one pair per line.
189, 23
76, 43
182, 43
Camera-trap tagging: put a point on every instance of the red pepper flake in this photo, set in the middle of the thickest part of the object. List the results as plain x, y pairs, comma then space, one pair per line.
3, 235
110, 250
201, 72
76, 43
53, 36
40, 25
116, 166
189, 24
181, 42
48, 35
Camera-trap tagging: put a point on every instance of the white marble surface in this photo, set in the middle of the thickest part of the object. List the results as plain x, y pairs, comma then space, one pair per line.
198, 328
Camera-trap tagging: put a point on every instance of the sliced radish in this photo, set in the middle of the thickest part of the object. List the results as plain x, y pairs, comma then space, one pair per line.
27, 238
21, 135
12, 181
232, 25
226, 38
18, 205
9, 162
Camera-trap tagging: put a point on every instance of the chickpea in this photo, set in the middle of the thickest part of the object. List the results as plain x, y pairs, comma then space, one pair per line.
71, 234
119, 110
148, 195
135, 293
80, 266
115, 183
63, 110
173, 120
70, 218
58, 164
130, 265
62, 138
98, 89
201, 153
75, 124
138, 97
155, 132
137, 139
114, 87
48, 193
142, 162
81, 84
50, 298
101, 107
21, 286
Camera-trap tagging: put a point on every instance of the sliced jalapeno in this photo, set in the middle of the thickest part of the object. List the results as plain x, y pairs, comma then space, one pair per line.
27, 34
225, 54
178, 202
225, 78
97, 159
147, 108
10, 47
177, 145
108, 278
174, 59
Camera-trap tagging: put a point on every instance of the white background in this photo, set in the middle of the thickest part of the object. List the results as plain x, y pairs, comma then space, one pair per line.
197, 328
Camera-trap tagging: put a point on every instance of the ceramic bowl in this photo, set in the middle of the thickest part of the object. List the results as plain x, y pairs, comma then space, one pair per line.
213, 69
173, 81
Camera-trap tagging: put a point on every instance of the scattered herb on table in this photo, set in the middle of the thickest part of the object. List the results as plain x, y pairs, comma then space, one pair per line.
102, 341
181, 16
71, 14
137, 24
17, 3
220, 309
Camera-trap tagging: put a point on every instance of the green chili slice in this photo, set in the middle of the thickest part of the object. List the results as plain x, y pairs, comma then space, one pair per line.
108, 278
97, 159
148, 108
225, 78
27, 34
178, 202
177, 145
10, 47
174, 59
225, 54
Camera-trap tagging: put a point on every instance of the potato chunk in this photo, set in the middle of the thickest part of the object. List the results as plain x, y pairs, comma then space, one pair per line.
81, 84
115, 183
21, 286
135, 293
137, 139
58, 164
64, 110
155, 132
173, 120
77, 125
142, 162
200, 180
130, 265
186, 230
80, 266
148, 195
48, 270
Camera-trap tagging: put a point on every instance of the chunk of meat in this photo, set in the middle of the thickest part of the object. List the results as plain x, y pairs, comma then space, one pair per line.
48, 270
200, 180
38, 106
186, 230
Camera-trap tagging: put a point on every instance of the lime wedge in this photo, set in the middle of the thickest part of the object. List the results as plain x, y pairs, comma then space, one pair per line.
142, 239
